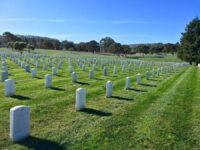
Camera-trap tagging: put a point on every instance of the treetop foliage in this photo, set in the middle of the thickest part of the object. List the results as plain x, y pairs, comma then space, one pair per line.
189, 49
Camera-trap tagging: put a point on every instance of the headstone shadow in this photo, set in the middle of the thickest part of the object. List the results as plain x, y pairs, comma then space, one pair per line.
60, 75
99, 79
57, 89
155, 80
146, 84
122, 98
137, 90
20, 97
38, 78
114, 76
82, 83
96, 112
40, 144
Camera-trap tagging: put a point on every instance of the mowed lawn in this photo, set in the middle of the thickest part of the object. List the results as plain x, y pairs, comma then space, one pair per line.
161, 113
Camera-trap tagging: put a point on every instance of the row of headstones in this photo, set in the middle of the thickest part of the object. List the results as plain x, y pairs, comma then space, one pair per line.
105, 72
123, 65
27, 68
136, 63
127, 63
10, 84
104, 68
37, 58
54, 69
4, 74
38, 64
54, 72
116, 61
81, 59
27, 60
140, 63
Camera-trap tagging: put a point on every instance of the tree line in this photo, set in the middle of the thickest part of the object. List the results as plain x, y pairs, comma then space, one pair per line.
106, 45
156, 48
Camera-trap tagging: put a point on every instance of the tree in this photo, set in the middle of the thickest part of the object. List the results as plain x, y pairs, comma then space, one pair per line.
105, 43
157, 48
10, 45
126, 49
115, 48
144, 48
92, 46
9, 37
170, 48
189, 49
81, 47
68, 44
56, 44
19, 46
30, 47
47, 44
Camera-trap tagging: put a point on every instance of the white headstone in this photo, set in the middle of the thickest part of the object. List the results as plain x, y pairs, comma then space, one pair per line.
9, 87
147, 75
4, 76
129, 67
27, 68
153, 73
74, 77
54, 71
115, 70
44, 66
83, 67
108, 89
71, 69
50, 64
138, 78
19, 123
33, 72
123, 68
80, 99
159, 72
91, 74
94, 66
48, 81
3, 63
127, 86
105, 72
38, 64
4, 68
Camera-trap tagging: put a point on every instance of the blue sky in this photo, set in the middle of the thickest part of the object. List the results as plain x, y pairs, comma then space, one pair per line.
126, 21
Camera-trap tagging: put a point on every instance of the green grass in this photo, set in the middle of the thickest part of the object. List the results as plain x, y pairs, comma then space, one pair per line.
163, 58
162, 113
